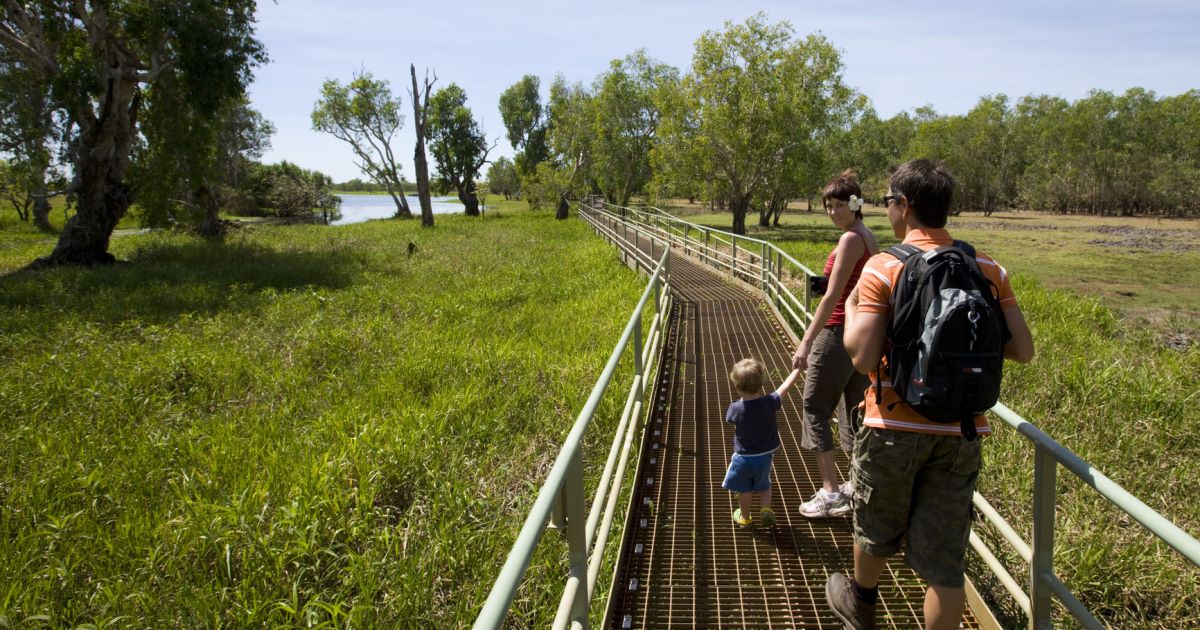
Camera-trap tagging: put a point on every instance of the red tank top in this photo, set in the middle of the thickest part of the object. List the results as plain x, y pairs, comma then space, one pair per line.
838, 317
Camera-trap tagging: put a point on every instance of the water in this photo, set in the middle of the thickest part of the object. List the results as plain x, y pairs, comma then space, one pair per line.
357, 208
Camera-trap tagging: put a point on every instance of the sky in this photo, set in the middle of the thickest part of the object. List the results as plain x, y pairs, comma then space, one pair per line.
900, 55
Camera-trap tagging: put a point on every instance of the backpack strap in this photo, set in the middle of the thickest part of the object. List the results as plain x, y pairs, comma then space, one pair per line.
966, 247
903, 251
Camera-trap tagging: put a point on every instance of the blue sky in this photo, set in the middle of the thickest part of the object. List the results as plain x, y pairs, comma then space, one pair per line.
901, 55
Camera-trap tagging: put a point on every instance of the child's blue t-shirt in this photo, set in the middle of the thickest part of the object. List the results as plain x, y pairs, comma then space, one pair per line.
755, 431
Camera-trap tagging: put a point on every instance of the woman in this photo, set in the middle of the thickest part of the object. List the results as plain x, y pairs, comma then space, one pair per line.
830, 375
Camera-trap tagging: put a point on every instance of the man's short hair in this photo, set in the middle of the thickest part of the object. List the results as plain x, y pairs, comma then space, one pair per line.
929, 189
748, 376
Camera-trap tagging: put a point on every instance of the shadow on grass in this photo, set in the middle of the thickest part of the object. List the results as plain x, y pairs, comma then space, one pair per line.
165, 280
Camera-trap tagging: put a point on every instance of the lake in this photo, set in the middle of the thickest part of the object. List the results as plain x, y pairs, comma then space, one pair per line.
358, 208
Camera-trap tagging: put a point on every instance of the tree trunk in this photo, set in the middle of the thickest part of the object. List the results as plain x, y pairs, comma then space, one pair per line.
402, 210
210, 225
103, 197
41, 210
470, 201
739, 206
421, 163
564, 208
764, 216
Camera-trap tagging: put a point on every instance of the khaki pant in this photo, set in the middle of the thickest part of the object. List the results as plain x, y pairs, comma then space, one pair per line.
831, 379
919, 486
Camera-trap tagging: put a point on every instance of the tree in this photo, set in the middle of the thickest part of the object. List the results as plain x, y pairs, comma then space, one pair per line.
753, 109
421, 122
101, 56
27, 122
525, 123
458, 144
287, 191
502, 178
625, 119
570, 135
364, 115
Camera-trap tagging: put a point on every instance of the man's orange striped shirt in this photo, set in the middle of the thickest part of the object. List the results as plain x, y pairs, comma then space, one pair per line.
875, 287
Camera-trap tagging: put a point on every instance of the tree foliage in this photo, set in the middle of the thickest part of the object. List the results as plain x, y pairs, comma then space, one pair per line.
458, 144
502, 178
525, 122
365, 115
100, 57
624, 124
753, 112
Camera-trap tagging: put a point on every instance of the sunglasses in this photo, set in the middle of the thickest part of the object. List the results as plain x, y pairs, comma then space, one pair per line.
888, 199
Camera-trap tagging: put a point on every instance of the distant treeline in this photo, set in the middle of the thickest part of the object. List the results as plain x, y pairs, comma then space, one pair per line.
779, 121
1106, 154
358, 185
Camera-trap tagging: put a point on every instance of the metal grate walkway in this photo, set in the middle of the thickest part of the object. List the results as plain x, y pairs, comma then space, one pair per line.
682, 562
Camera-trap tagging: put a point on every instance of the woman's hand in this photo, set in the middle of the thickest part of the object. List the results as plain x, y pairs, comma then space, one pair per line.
800, 359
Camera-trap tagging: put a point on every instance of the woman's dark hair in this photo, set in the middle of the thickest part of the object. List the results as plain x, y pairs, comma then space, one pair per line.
929, 188
842, 187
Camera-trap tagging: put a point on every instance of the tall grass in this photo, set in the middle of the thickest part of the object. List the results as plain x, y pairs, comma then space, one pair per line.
302, 426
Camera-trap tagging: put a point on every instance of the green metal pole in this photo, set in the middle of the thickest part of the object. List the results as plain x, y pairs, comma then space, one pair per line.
1044, 473
576, 543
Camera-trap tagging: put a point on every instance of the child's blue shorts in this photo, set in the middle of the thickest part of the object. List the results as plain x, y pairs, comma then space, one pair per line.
749, 473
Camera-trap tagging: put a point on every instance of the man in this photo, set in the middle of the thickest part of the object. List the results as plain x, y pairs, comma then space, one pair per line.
913, 477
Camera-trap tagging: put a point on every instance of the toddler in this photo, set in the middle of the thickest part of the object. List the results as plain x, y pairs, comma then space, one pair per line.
755, 438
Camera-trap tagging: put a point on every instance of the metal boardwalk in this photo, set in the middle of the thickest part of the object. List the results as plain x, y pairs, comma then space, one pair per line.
682, 561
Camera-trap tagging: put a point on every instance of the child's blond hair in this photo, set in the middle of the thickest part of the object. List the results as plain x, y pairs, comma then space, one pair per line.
748, 376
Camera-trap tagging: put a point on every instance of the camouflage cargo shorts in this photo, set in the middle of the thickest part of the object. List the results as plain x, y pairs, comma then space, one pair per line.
920, 486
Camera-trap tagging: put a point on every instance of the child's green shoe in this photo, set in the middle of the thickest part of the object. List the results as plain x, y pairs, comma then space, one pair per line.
740, 520
767, 517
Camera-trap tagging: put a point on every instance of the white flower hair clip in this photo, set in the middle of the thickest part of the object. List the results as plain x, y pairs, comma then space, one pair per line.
855, 203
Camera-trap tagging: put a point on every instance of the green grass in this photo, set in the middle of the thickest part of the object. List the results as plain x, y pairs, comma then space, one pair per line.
1107, 382
305, 426
300, 426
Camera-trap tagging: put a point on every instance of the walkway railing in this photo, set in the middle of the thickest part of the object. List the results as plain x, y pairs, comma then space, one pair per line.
1043, 583
751, 260
561, 498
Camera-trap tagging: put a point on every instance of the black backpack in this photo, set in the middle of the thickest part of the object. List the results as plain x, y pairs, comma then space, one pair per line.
947, 335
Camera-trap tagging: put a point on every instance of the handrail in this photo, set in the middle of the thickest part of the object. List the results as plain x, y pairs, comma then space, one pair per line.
561, 497
1048, 455
763, 263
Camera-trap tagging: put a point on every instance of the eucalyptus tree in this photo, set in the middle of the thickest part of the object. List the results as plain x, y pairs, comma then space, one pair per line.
189, 166
525, 121
755, 104
364, 115
625, 122
570, 142
458, 144
27, 123
502, 178
101, 57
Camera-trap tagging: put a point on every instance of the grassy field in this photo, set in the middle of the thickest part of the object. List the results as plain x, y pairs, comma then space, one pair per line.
305, 426
300, 426
1114, 305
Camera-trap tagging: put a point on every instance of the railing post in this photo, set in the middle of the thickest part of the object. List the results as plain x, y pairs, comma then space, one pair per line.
637, 349
1045, 470
707, 256
733, 265
576, 538
558, 515
765, 275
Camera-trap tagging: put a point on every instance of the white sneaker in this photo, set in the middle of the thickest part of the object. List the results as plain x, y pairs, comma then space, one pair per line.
847, 489
823, 505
